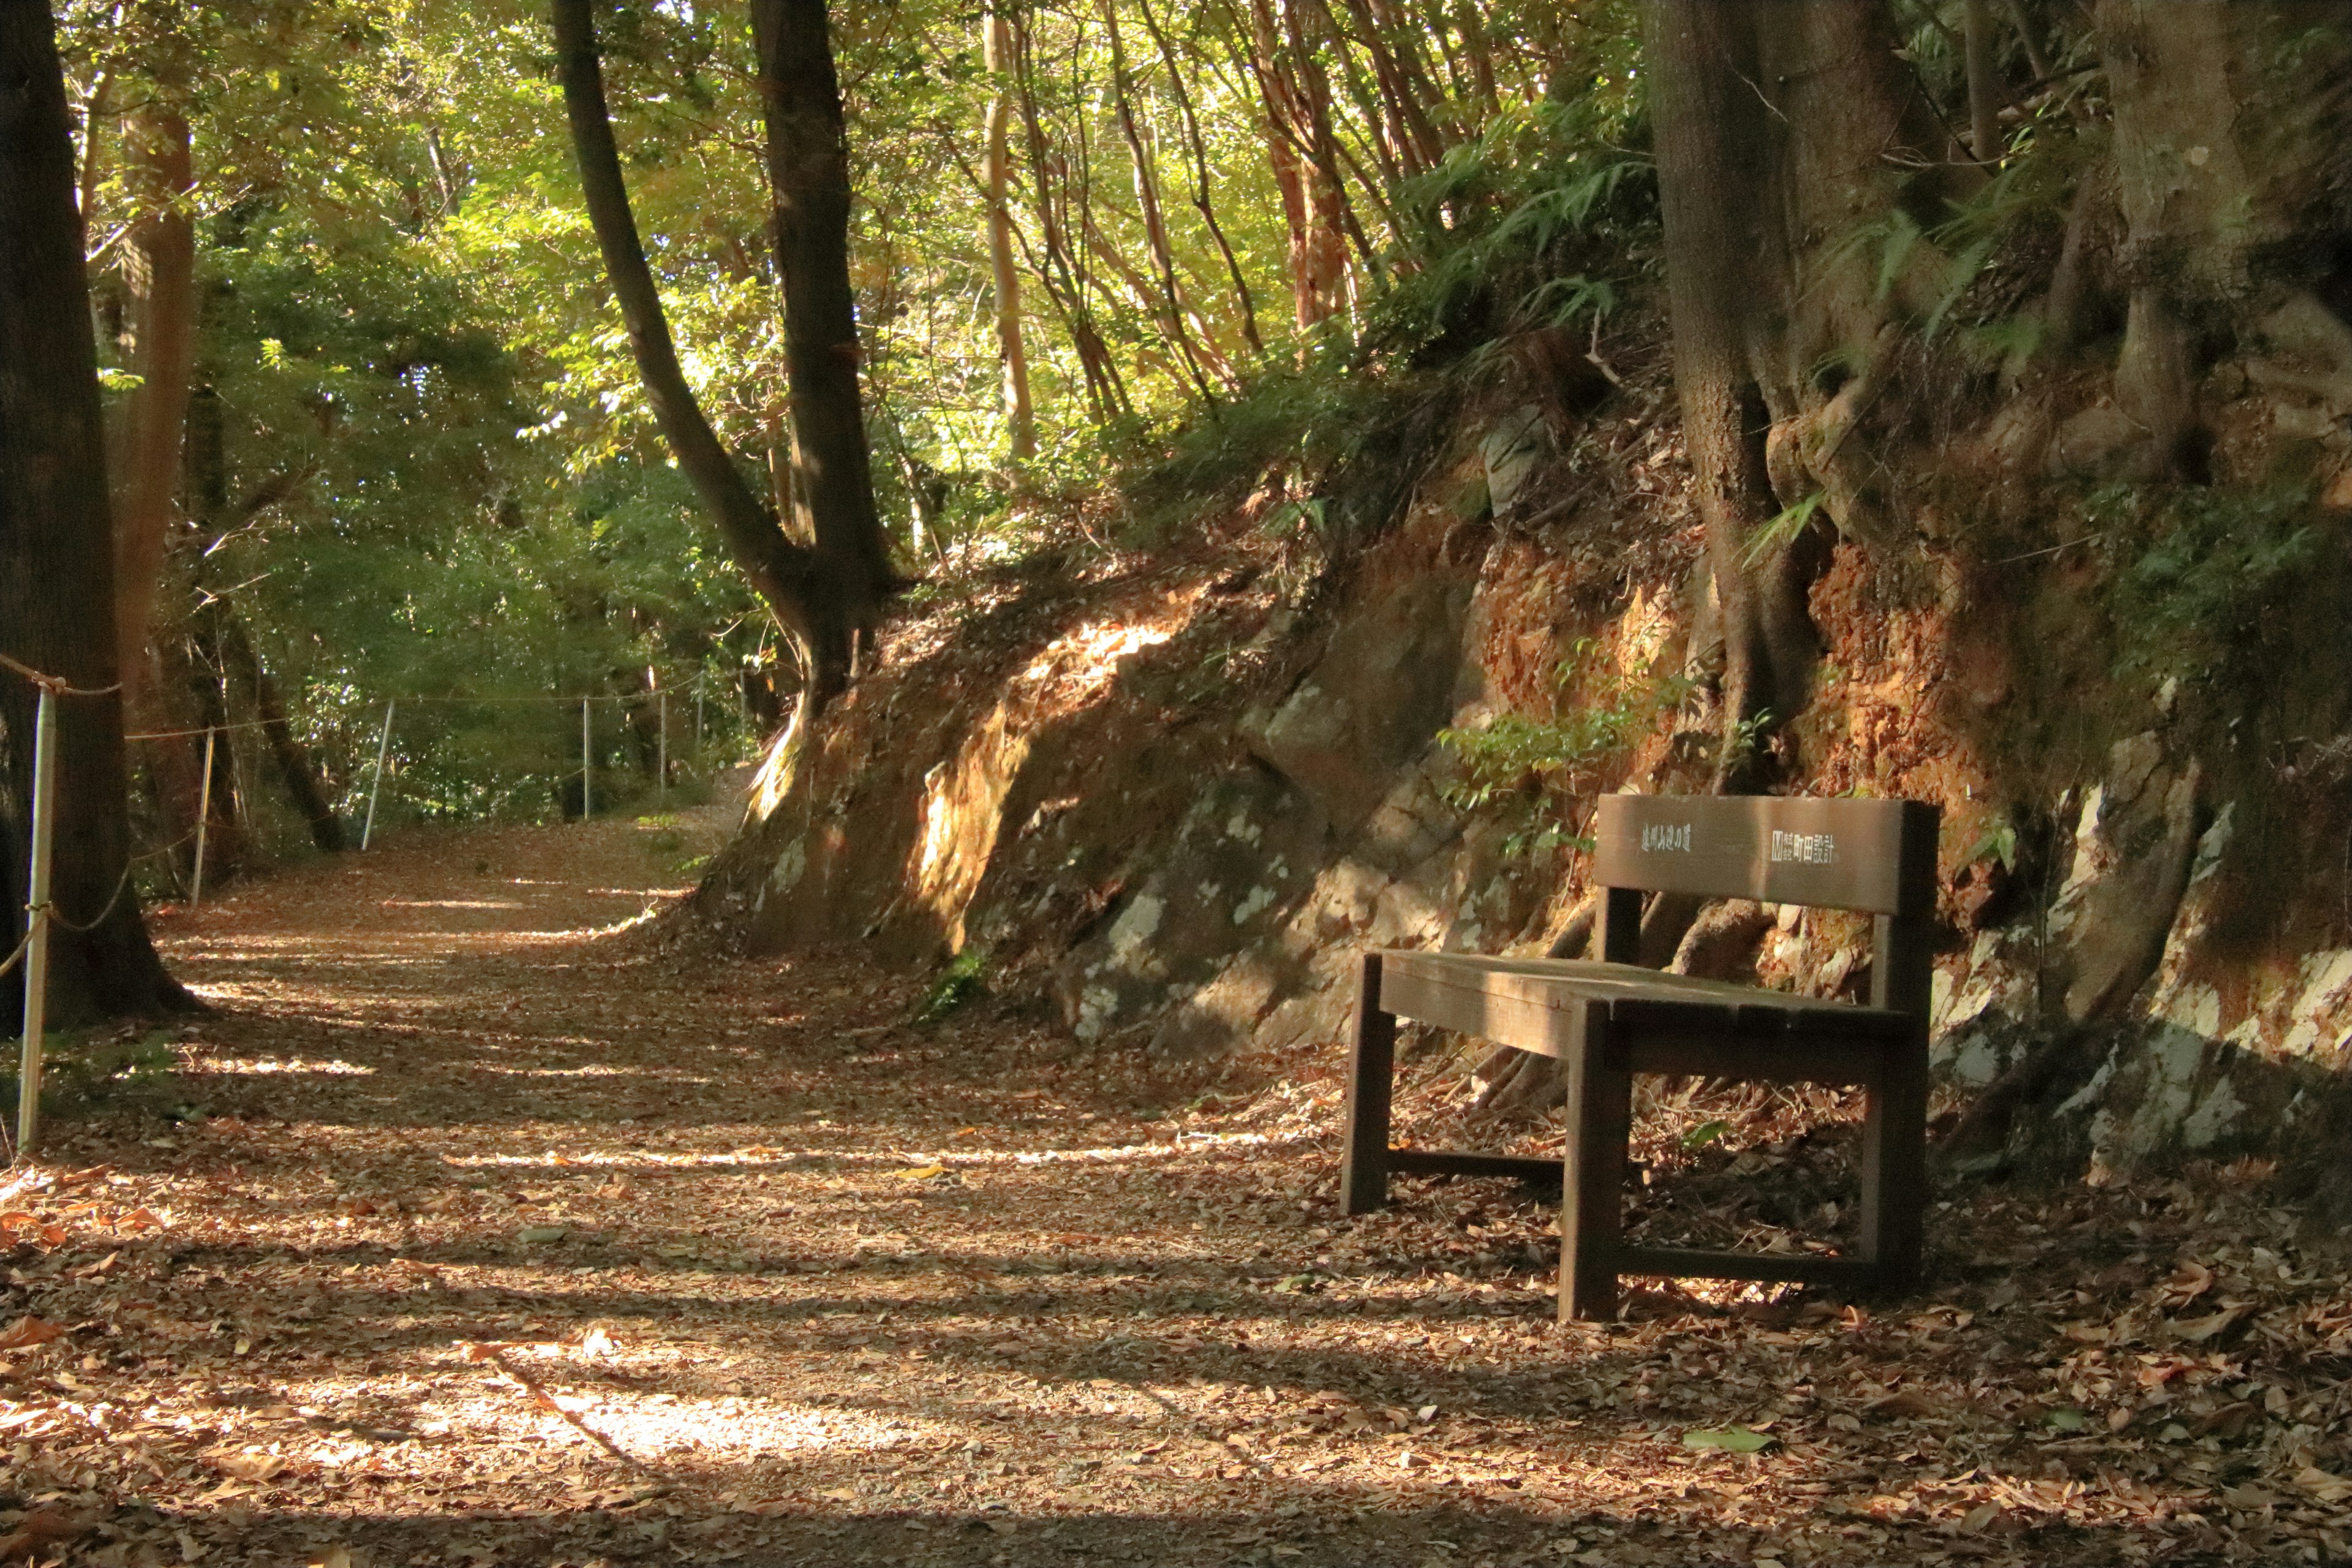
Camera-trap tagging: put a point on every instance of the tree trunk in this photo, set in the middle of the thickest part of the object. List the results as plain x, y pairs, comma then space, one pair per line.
295, 763
1020, 416
226, 835
56, 567
1063, 273
162, 278
797, 584
1984, 102
808, 177
1708, 138
1167, 300
1200, 196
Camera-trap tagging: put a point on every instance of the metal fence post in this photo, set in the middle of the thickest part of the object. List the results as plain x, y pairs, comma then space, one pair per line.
661, 745
36, 922
376, 789
587, 766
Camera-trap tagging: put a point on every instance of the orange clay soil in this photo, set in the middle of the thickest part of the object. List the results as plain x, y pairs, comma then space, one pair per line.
512, 1236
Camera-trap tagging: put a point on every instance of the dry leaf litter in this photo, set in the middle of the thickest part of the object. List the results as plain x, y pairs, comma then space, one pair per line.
510, 1237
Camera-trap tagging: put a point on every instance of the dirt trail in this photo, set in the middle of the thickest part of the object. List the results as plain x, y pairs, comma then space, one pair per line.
509, 1239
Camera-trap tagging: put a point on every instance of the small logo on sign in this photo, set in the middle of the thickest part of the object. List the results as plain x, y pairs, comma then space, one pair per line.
1804, 848
1672, 837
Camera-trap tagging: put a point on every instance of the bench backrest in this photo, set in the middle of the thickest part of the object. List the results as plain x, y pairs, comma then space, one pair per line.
1877, 856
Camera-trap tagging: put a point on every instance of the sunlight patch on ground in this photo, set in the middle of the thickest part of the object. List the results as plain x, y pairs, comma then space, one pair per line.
1089, 655
260, 1065
650, 1427
762, 1154
449, 903
593, 1070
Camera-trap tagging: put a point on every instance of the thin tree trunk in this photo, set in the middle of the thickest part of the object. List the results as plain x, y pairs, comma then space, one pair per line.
1200, 198
162, 278
1170, 305
225, 835
93, 158
57, 558
1708, 142
791, 579
1063, 274
296, 766
808, 178
1984, 91
1020, 416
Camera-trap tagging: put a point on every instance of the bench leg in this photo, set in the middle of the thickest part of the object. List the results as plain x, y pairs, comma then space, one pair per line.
1592, 1217
1364, 1164
1895, 1167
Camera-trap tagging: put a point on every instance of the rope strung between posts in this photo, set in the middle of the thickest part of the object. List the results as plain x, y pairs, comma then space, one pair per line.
205, 730
9, 963
77, 929
57, 683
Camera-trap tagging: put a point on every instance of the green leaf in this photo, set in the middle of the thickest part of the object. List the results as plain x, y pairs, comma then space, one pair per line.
1705, 1134
1731, 1439
2066, 1420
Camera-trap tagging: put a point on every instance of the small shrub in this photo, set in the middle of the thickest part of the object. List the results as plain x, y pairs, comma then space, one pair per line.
957, 983
1527, 766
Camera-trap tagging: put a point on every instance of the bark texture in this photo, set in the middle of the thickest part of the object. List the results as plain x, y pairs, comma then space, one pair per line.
1020, 416
791, 580
808, 177
56, 567
162, 274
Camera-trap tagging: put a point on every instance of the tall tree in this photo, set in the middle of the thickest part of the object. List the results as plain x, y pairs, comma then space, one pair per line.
808, 178
161, 323
811, 590
1783, 325
996, 172
1710, 140
57, 565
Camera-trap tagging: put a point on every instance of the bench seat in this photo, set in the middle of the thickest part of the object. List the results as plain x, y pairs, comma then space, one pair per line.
1607, 1020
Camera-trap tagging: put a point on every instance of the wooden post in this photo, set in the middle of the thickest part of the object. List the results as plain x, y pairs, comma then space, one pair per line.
1894, 1110
204, 821
1364, 1162
661, 745
701, 685
1592, 1215
1621, 925
382, 742
36, 922
587, 766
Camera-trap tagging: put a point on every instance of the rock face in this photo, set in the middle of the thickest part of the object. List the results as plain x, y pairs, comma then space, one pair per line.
1180, 806
1370, 704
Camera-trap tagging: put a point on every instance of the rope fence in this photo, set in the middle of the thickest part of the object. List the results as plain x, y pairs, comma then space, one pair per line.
41, 914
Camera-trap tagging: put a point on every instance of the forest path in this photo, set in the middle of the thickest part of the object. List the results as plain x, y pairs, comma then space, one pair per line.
511, 1239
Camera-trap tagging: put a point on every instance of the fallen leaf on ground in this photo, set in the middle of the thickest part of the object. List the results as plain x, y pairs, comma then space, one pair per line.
29, 1331
42, 1527
1731, 1439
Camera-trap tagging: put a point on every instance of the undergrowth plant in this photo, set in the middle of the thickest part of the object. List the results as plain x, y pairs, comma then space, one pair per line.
1534, 770
2196, 573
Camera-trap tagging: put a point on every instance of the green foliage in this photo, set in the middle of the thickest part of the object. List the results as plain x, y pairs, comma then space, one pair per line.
1528, 767
963, 979
1705, 1134
86, 1075
1485, 251
1781, 530
2196, 569
1997, 842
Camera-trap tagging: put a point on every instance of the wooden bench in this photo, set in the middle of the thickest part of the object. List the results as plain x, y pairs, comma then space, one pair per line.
1609, 1019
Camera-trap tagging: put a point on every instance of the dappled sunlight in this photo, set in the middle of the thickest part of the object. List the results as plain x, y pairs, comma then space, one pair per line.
571, 1236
